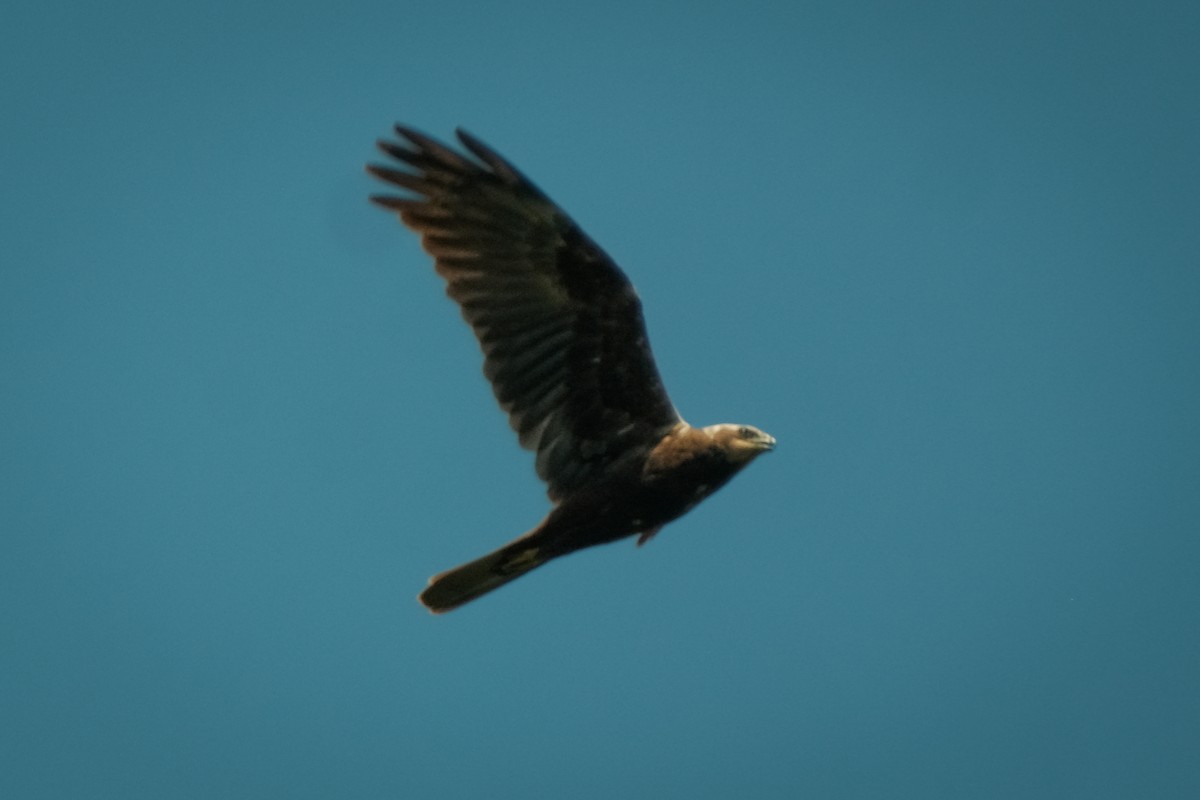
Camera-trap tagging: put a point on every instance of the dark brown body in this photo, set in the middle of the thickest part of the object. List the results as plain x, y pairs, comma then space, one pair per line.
629, 504
638, 497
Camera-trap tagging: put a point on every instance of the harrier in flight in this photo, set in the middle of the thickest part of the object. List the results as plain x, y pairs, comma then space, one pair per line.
565, 350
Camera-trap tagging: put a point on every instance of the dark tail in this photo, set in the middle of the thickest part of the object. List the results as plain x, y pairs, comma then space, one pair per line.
463, 584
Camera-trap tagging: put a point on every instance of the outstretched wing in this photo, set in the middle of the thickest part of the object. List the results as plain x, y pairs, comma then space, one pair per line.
560, 325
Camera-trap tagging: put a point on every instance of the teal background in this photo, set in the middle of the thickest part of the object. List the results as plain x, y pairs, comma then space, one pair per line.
947, 253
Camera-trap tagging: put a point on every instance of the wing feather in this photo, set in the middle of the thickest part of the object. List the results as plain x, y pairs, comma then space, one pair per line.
560, 326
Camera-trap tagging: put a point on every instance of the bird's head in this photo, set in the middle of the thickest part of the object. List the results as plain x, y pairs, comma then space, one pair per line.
741, 443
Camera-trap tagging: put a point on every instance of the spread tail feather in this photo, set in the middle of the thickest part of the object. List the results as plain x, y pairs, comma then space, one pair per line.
462, 584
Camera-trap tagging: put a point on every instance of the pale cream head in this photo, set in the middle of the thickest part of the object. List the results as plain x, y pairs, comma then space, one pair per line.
741, 442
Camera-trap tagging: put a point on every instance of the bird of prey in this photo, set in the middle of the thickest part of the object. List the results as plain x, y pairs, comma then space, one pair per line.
565, 350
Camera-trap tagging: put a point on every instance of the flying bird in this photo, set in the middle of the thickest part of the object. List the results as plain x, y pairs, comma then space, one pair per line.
565, 350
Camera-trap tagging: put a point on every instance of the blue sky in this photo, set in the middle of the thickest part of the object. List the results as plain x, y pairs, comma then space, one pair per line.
947, 253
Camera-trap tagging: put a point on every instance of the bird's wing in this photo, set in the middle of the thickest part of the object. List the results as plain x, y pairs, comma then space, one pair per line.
560, 325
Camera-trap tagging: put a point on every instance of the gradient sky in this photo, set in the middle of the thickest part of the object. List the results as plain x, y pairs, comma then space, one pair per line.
947, 253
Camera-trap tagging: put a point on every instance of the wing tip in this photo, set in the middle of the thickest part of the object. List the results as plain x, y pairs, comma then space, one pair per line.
497, 163
389, 202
